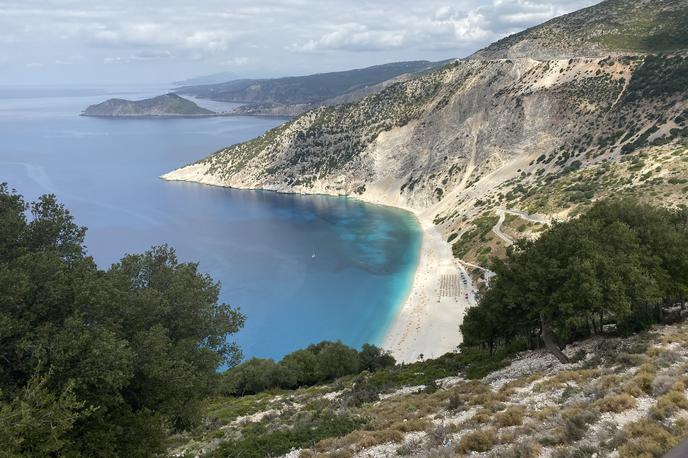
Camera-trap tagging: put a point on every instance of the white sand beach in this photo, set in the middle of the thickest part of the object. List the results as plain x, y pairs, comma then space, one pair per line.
428, 322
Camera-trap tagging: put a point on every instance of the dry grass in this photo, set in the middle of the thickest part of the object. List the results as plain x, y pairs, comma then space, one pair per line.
662, 383
513, 416
644, 377
616, 403
481, 416
481, 440
646, 439
415, 424
546, 413
525, 449
358, 440
576, 421
670, 402
563, 378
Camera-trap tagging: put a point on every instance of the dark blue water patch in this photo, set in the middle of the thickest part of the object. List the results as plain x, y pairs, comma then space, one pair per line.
259, 245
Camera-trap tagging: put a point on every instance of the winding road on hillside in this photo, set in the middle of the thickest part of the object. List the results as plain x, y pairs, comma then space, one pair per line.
497, 229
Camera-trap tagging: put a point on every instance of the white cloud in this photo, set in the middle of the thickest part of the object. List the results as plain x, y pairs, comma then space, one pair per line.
237, 61
435, 25
141, 56
150, 55
69, 60
353, 37
151, 34
207, 35
113, 60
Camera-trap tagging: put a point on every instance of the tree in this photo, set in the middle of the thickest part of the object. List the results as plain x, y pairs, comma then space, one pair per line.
614, 264
253, 376
372, 358
334, 359
99, 362
302, 367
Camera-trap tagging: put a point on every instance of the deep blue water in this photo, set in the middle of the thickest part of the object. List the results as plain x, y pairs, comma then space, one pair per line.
257, 244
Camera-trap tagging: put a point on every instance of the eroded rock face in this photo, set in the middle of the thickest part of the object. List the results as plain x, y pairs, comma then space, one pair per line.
420, 141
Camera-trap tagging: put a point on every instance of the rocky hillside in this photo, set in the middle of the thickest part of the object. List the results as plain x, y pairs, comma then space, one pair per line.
544, 135
294, 95
620, 398
162, 106
612, 26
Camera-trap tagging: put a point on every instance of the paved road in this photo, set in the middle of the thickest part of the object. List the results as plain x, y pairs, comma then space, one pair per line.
497, 229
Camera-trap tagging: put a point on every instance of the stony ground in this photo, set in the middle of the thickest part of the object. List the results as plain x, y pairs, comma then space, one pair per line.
621, 398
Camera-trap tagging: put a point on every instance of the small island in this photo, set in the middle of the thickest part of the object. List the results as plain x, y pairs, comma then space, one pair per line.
167, 105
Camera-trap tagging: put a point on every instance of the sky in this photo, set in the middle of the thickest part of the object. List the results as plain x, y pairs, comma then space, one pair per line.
161, 41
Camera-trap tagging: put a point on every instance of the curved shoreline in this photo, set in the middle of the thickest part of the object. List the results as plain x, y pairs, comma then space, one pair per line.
427, 322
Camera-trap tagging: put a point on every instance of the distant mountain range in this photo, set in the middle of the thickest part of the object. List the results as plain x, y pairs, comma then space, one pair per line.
213, 78
293, 95
168, 105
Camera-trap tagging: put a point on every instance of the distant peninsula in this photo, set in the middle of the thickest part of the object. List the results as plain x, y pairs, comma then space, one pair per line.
167, 105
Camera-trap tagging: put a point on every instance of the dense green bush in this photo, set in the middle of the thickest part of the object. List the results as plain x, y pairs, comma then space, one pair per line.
322, 362
97, 362
618, 263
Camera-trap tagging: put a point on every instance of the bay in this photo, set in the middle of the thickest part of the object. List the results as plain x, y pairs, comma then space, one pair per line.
258, 244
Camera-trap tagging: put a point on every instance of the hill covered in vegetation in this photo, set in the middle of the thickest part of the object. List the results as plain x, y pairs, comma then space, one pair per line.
295, 94
621, 26
622, 397
123, 361
168, 105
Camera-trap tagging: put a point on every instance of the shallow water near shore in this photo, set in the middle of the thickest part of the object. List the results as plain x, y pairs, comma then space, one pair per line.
258, 244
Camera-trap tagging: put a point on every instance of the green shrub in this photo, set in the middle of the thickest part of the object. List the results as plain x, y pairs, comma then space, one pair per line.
576, 421
262, 439
670, 402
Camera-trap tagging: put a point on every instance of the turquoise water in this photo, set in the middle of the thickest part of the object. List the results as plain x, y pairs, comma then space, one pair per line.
258, 244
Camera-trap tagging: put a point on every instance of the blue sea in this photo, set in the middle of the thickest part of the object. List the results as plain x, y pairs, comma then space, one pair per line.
258, 244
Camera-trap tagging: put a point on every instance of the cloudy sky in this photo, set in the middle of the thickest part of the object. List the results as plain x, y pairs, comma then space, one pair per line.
158, 41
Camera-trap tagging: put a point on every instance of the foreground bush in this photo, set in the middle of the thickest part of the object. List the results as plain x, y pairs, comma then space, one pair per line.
93, 362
